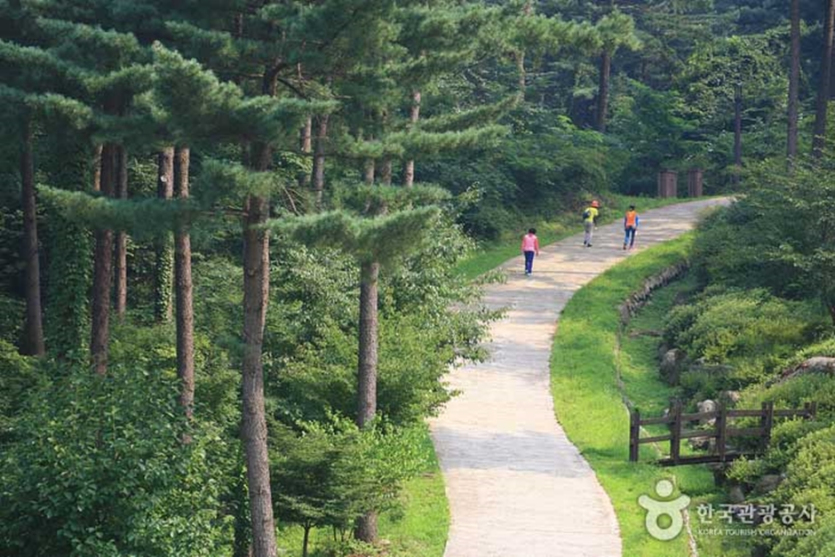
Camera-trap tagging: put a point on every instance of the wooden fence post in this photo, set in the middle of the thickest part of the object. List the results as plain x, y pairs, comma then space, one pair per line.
767, 423
634, 434
675, 434
721, 431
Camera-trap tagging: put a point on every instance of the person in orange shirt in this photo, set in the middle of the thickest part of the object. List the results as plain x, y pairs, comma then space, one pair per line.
530, 247
630, 226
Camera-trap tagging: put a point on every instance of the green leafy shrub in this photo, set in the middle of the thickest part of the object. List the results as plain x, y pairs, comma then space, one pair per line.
18, 378
741, 324
11, 319
809, 482
99, 468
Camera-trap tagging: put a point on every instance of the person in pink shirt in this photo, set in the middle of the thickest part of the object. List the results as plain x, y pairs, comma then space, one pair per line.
530, 247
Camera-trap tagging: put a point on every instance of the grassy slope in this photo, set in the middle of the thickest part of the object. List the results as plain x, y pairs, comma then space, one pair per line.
491, 255
419, 531
589, 406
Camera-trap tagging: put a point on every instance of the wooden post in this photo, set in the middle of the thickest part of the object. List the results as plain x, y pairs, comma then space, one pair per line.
667, 184
721, 431
767, 423
634, 434
811, 409
675, 433
695, 182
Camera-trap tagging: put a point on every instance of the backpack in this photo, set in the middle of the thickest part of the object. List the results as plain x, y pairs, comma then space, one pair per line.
586, 214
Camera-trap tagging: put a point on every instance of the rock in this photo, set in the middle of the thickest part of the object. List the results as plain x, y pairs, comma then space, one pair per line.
818, 364
671, 364
707, 406
700, 443
768, 483
729, 397
736, 494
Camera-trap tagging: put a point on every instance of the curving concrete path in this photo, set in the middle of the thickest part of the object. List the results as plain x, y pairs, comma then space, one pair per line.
516, 485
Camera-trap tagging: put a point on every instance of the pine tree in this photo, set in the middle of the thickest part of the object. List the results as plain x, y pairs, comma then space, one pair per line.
163, 249
616, 30
111, 78
34, 97
794, 80
819, 137
377, 227
184, 287
200, 106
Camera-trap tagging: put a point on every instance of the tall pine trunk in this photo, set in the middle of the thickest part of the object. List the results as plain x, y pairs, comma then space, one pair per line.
819, 138
519, 55
185, 299
385, 172
367, 372
306, 147
121, 257
319, 158
369, 171
103, 270
414, 116
256, 292
603, 90
737, 134
256, 298
163, 249
70, 248
794, 82
33, 340
521, 75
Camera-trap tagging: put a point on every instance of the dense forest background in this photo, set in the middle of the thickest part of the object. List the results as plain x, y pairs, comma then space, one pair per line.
230, 229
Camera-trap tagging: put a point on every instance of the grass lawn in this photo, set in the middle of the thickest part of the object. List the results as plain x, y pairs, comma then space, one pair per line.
420, 530
584, 366
491, 255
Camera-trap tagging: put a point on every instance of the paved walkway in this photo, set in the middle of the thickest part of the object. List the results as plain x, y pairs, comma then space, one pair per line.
516, 485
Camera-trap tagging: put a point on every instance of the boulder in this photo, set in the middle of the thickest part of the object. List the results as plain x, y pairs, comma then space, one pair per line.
818, 364
700, 443
707, 406
671, 364
736, 494
729, 398
768, 483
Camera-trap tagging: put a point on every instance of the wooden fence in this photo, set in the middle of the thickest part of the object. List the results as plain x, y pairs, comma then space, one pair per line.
722, 431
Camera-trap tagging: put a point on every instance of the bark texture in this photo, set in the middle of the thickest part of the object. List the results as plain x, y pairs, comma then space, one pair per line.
306, 146
184, 287
369, 171
121, 256
319, 158
33, 339
164, 256
794, 81
603, 90
737, 133
414, 116
385, 172
256, 291
103, 270
819, 138
367, 373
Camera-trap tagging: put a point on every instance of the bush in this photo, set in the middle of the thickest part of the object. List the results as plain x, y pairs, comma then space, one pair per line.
742, 324
18, 379
99, 468
809, 482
